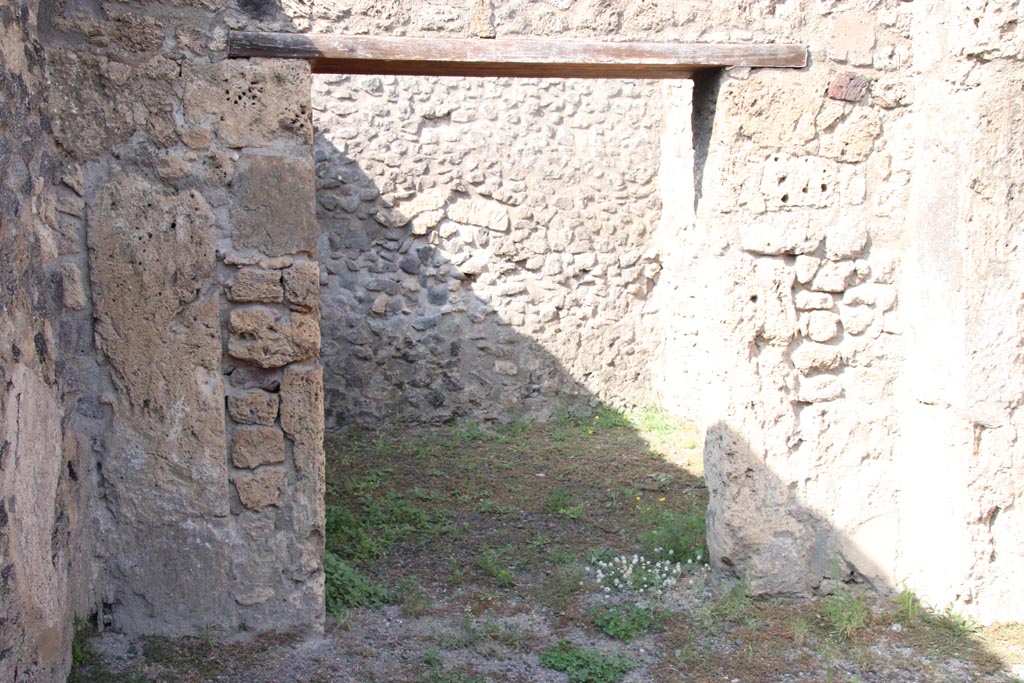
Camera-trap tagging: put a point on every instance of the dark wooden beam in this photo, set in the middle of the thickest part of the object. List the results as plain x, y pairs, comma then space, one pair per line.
538, 58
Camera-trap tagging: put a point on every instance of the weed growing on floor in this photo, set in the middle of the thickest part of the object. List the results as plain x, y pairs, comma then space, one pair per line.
82, 651
362, 530
586, 665
417, 604
431, 657
510, 635
908, 606
625, 622
562, 586
560, 556
663, 429
367, 528
952, 622
489, 507
656, 420
438, 674
467, 433
558, 501
845, 614
735, 605
494, 564
346, 587
673, 535
637, 573
467, 636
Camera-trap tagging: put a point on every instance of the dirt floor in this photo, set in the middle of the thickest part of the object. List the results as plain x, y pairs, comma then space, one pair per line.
570, 551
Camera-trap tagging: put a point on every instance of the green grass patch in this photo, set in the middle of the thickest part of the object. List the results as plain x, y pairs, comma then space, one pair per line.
626, 622
953, 623
370, 522
558, 501
438, 674
673, 535
653, 419
345, 587
494, 564
586, 665
846, 614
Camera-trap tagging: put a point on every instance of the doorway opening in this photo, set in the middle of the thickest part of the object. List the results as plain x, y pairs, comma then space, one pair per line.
497, 259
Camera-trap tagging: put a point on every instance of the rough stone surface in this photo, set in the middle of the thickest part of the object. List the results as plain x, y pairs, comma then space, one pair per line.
848, 86
845, 241
272, 339
486, 232
481, 213
255, 407
250, 377
252, 447
813, 357
259, 490
31, 482
833, 276
820, 326
117, 158
816, 388
151, 262
302, 286
271, 210
254, 285
75, 296
248, 103
302, 418
301, 396
806, 300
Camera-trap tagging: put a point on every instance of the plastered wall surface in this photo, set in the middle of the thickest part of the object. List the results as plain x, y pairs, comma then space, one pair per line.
840, 286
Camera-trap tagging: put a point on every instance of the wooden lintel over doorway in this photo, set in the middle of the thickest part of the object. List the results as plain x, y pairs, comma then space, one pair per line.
532, 57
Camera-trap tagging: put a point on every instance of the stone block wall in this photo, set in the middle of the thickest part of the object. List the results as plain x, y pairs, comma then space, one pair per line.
161, 420
205, 293
486, 244
46, 568
845, 288
850, 218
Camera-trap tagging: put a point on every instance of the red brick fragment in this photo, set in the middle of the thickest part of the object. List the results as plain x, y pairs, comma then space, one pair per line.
848, 86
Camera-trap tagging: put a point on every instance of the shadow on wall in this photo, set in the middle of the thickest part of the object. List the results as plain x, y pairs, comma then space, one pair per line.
464, 265
406, 340
747, 538
429, 309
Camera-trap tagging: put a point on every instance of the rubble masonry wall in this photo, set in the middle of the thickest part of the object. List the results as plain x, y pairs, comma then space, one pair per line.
843, 294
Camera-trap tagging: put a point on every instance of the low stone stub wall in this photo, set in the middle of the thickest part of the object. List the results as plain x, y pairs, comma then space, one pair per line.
486, 244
